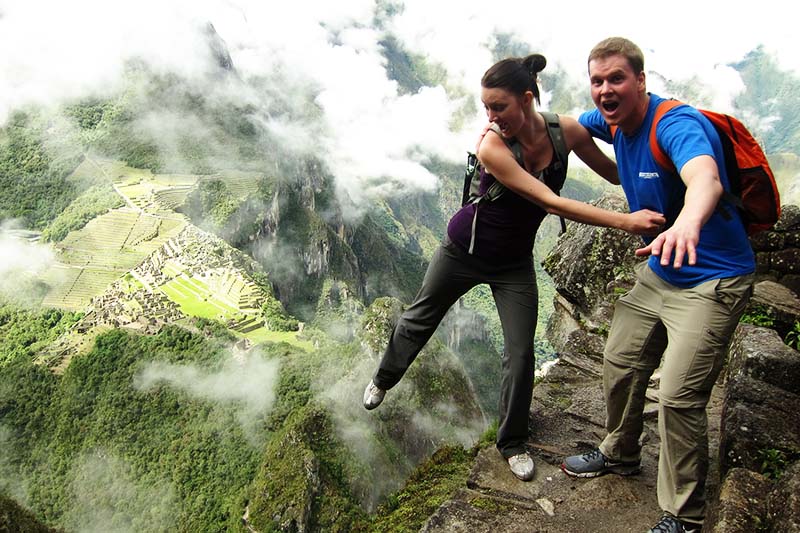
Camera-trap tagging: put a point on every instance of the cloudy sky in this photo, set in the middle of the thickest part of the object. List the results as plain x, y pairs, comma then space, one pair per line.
51, 50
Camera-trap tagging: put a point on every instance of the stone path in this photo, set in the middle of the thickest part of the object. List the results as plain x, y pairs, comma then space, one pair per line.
566, 418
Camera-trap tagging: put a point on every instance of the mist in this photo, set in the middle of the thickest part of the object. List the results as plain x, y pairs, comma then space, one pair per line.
107, 497
316, 74
23, 262
246, 380
364, 432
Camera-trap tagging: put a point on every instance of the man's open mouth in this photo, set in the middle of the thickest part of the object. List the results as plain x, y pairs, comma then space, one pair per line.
610, 106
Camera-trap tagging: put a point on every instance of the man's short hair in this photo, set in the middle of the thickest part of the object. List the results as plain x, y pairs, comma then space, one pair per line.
619, 46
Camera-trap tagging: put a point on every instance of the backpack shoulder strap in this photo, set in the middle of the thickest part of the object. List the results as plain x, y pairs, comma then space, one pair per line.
562, 154
658, 154
556, 137
512, 144
661, 158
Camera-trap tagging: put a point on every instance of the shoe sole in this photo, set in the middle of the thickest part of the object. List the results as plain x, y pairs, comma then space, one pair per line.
524, 478
620, 470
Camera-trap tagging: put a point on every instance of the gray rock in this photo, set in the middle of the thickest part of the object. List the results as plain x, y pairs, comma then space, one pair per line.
741, 505
589, 259
761, 354
784, 502
790, 218
767, 240
762, 400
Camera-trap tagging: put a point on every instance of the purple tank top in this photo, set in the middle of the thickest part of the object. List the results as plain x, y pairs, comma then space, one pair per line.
505, 228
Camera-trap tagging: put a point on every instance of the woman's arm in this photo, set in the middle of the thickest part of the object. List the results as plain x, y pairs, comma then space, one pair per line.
499, 161
581, 142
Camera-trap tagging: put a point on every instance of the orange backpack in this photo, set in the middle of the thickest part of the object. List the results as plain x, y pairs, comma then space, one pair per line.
753, 188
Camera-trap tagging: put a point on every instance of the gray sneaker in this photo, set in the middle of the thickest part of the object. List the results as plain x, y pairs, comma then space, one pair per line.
670, 524
373, 396
521, 466
594, 463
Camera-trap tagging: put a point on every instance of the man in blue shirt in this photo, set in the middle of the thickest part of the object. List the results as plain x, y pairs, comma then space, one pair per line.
688, 296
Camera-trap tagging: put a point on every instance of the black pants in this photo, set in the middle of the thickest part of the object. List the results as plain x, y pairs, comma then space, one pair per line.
451, 273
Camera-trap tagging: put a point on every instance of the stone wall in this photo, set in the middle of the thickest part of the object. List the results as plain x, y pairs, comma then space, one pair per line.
778, 250
759, 450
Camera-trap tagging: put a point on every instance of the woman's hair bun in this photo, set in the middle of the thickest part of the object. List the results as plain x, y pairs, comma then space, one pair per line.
535, 63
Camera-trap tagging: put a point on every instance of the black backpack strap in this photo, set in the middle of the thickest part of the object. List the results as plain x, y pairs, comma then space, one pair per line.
559, 145
497, 189
562, 154
469, 174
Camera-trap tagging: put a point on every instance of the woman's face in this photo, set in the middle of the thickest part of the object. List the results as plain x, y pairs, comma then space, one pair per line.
506, 109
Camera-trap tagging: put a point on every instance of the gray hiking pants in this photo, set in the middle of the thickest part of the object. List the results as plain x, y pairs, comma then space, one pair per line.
451, 273
691, 329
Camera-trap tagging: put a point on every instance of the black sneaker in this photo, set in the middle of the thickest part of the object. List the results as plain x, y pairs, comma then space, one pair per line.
670, 524
594, 463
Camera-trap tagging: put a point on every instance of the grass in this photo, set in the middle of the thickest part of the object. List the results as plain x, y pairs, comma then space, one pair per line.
195, 303
262, 335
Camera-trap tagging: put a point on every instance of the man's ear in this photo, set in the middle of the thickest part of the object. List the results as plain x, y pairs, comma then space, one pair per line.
640, 81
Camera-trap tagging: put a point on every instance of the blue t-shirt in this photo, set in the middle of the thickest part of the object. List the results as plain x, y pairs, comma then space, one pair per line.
683, 133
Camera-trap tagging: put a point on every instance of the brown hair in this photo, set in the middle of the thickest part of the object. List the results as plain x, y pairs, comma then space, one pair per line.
516, 74
619, 46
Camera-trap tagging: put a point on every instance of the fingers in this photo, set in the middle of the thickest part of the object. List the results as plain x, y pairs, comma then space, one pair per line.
486, 128
692, 253
674, 246
680, 251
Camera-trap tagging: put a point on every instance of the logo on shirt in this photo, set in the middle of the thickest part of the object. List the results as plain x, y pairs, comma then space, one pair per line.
648, 175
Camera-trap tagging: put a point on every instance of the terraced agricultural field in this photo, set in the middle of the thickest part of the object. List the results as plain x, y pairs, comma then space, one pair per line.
112, 245
239, 183
73, 287
102, 251
195, 299
262, 334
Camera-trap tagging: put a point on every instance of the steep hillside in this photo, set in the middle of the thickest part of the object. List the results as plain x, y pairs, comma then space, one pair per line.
190, 428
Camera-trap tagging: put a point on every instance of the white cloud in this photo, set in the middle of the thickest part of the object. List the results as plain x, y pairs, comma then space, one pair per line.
22, 263
375, 138
247, 381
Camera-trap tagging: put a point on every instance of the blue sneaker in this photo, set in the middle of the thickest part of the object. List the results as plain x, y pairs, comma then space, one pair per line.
594, 463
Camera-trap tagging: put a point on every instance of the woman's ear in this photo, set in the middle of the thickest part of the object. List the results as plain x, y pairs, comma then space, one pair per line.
527, 99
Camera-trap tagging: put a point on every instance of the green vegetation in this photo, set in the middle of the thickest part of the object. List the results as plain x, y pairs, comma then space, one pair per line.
184, 461
15, 518
212, 204
758, 315
774, 462
770, 93
793, 337
276, 318
302, 483
411, 71
428, 487
196, 299
97, 200
23, 333
264, 335
126, 450
33, 173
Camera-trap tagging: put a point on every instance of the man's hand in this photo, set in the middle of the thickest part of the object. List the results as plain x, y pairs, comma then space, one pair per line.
644, 222
680, 239
703, 190
486, 128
